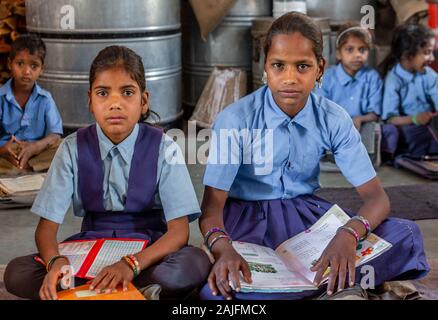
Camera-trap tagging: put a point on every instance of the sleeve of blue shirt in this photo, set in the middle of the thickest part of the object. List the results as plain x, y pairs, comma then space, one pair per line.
175, 188
225, 155
56, 194
391, 97
52, 117
3, 138
375, 96
350, 154
433, 87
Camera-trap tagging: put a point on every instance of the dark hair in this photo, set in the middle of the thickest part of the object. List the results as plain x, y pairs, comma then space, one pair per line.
30, 42
363, 35
408, 39
121, 57
296, 22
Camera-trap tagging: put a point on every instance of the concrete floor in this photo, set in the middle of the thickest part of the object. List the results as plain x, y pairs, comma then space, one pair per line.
17, 226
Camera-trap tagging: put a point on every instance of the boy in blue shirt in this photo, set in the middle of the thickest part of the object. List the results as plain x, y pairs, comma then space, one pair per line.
29, 119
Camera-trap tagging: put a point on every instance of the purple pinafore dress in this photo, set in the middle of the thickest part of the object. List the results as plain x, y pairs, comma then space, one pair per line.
138, 220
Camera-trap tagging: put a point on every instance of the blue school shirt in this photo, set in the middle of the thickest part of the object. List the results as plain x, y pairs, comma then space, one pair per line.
407, 93
359, 95
39, 118
291, 164
175, 195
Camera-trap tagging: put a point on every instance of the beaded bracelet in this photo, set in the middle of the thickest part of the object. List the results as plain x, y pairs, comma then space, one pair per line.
350, 231
210, 232
366, 223
210, 246
53, 259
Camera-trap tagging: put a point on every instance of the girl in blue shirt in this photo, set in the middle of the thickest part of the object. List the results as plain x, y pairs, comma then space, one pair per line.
355, 87
268, 199
410, 97
120, 181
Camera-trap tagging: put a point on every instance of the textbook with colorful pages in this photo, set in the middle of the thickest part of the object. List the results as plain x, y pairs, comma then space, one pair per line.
287, 268
89, 257
84, 293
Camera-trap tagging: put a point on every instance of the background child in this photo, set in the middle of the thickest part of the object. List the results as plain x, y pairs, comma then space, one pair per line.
268, 208
29, 116
352, 85
356, 87
118, 174
411, 89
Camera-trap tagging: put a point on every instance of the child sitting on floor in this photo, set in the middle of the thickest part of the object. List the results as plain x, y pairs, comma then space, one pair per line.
29, 119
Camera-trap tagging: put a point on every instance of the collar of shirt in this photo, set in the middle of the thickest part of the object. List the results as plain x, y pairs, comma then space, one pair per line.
126, 147
344, 78
6, 90
403, 73
274, 116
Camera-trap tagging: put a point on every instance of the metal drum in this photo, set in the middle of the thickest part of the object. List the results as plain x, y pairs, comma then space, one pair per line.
229, 45
153, 31
102, 16
260, 27
338, 9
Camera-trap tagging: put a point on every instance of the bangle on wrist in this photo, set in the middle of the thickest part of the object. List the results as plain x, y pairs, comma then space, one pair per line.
216, 239
414, 119
210, 232
350, 231
53, 259
133, 264
366, 225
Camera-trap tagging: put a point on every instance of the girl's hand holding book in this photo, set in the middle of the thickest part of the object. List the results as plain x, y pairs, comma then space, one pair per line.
340, 257
227, 269
108, 279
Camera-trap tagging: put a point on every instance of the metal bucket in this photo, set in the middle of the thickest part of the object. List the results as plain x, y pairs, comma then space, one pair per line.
71, 52
260, 27
338, 9
229, 45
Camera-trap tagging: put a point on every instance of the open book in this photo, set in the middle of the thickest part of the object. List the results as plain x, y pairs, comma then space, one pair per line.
287, 269
89, 257
23, 185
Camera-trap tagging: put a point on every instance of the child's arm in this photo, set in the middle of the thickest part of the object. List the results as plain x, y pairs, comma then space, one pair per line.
175, 238
47, 244
228, 263
340, 253
359, 120
422, 118
30, 149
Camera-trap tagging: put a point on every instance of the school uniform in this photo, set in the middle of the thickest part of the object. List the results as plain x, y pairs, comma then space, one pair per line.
407, 94
144, 182
39, 118
359, 95
268, 207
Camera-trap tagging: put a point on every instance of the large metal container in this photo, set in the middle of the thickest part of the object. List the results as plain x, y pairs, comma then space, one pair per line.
229, 45
152, 31
338, 9
102, 16
260, 27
